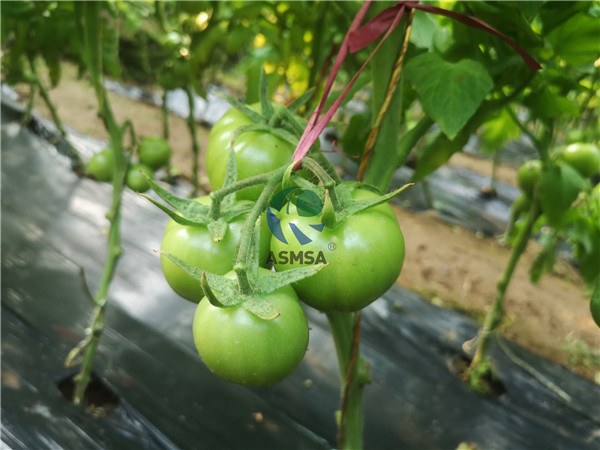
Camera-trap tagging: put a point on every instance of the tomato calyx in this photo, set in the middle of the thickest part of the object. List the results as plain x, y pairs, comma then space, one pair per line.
224, 292
222, 209
338, 203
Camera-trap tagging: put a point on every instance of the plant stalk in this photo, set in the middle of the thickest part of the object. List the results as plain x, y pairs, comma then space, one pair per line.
54, 113
90, 17
191, 122
389, 95
354, 375
496, 314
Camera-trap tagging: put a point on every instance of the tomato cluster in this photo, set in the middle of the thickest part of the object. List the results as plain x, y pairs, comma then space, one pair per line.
363, 253
153, 153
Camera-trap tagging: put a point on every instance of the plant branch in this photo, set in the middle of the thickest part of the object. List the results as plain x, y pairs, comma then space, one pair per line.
59, 125
354, 375
191, 123
387, 100
495, 315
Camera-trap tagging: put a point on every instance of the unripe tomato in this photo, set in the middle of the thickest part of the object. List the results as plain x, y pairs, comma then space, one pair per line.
574, 135
585, 158
102, 165
195, 246
135, 180
528, 176
365, 256
154, 152
256, 152
242, 348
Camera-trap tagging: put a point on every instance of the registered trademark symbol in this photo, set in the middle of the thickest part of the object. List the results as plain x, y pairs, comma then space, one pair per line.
331, 246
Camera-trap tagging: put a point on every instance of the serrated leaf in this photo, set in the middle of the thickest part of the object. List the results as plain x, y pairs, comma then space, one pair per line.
558, 189
260, 307
277, 280
450, 93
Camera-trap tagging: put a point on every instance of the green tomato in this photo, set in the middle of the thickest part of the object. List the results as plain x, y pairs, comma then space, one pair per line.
242, 348
256, 152
365, 256
135, 180
585, 158
574, 135
154, 152
528, 176
195, 246
102, 165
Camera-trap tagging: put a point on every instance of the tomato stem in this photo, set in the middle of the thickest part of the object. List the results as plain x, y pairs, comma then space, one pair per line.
245, 253
478, 368
328, 182
191, 123
346, 335
387, 101
37, 82
90, 18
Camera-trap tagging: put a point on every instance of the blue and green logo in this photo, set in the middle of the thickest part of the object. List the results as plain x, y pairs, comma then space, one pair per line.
308, 204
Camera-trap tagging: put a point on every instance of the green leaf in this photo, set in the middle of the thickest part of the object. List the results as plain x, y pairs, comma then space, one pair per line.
558, 189
544, 261
355, 135
423, 30
434, 155
496, 132
576, 40
449, 93
277, 280
545, 104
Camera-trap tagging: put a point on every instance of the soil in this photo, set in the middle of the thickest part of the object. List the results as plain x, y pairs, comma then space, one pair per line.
449, 265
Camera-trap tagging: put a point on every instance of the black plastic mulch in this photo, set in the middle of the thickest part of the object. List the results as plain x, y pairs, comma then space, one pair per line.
53, 224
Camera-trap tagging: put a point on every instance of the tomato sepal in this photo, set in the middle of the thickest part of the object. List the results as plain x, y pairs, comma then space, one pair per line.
189, 209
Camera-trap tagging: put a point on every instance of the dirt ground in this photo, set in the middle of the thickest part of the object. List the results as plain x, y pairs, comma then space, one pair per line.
449, 265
